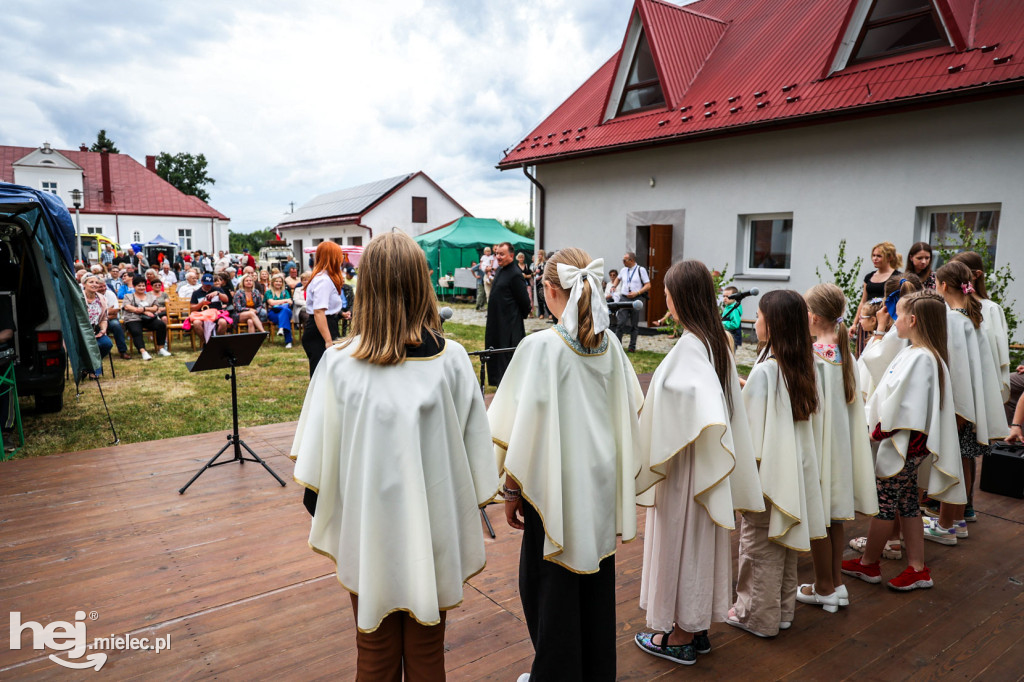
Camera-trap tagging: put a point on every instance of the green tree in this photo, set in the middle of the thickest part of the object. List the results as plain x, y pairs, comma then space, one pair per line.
103, 142
186, 172
847, 279
254, 241
520, 227
997, 280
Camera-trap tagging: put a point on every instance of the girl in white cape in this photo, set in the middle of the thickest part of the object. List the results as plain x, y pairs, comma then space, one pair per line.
394, 449
780, 396
845, 464
915, 428
976, 390
564, 423
699, 458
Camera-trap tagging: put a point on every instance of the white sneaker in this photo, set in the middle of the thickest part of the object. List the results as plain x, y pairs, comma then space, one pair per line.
163, 352
287, 345
145, 355
525, 677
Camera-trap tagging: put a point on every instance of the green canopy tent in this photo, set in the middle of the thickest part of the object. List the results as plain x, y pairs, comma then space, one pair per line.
458, 244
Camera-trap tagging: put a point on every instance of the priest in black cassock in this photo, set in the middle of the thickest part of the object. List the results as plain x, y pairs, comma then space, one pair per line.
507, 306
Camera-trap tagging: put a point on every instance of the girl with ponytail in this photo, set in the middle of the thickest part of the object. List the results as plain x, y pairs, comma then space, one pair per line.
564, 425
993, 321
845, 462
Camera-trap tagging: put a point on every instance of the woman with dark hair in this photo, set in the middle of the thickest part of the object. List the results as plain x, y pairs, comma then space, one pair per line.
393, 448
780, 396
140, 313
697, 468
919, 262
993, 319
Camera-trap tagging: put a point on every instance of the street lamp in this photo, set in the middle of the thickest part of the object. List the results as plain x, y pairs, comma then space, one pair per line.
76, 200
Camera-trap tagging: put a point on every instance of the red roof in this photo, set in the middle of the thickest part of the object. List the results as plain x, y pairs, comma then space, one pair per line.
135, 190
729, 66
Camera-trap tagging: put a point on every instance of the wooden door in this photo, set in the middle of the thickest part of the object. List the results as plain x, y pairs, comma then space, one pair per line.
659, 259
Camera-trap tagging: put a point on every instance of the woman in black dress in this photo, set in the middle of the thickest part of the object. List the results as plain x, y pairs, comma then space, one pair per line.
887, 263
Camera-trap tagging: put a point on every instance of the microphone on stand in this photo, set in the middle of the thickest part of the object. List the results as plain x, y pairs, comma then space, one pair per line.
446, 314
739, 296
635, 304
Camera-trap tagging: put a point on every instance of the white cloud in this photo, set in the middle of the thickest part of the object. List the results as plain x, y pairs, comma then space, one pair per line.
288, 100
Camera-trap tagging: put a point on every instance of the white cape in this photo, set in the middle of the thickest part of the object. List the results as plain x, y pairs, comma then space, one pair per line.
565, 428
875, 359
998, 334
908, 399
976, 389
400, 457
686, 406
788, 459
846, 464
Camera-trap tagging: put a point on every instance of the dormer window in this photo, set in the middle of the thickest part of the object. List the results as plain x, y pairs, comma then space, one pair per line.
896, 26
643, 88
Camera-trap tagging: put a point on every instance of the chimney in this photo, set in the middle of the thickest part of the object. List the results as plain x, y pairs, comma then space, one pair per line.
151, 163
83, 147
105, 168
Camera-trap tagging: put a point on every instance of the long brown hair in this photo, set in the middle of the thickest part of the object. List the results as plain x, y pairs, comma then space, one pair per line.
930, 331
972, 260
692, 290
918, 247
396, 300
785, 311
329, 260
958, 276
580, 259
828, 302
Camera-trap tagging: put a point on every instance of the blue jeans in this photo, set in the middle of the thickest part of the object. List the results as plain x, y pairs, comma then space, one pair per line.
115, 329
281, 315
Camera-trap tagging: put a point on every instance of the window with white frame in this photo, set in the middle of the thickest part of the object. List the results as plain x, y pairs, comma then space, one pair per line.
94, 230
50, 186
136, 236
767, 243
185, 238
355, 241
941, 226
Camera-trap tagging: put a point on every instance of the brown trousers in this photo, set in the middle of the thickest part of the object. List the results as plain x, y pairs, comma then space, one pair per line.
400, 643
766, 583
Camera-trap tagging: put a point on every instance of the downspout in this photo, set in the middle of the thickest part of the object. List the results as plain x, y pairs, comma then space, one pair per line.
539, 241
213, 237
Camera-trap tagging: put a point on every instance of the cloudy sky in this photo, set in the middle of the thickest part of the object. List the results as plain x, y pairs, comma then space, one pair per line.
292, 99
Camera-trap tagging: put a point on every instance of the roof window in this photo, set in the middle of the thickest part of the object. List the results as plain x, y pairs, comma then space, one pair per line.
896, 26
643, 88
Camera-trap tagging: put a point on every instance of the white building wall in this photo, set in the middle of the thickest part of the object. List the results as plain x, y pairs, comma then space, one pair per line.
207, 235
396, 210
860, 180
302, 238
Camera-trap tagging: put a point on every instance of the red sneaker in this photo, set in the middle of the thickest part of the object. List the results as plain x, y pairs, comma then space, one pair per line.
910, 579
869, 573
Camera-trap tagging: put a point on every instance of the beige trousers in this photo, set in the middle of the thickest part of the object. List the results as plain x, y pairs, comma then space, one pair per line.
766, 582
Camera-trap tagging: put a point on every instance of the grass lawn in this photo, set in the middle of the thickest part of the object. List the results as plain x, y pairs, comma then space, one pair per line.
161, 399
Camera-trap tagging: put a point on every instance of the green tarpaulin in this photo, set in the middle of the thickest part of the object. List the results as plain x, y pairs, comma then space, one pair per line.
460, 244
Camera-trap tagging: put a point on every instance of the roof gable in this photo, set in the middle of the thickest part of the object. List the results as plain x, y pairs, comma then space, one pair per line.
351, 201
769, 68
47, 157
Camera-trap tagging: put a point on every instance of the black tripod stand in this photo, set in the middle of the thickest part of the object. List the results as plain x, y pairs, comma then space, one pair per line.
222, 352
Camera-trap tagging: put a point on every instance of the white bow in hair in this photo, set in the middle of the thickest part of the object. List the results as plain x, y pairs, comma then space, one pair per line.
572, 278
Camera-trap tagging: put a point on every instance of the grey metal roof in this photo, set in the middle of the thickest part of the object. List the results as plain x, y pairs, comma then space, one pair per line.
345, 202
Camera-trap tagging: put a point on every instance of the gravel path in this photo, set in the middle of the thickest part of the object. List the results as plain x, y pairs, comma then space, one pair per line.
660, 343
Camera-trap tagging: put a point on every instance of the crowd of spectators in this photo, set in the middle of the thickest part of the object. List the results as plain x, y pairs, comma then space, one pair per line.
126, 298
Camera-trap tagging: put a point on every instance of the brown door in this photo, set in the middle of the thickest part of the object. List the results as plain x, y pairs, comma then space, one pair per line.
659, 259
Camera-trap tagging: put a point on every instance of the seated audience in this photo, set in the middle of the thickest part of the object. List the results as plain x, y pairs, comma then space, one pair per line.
248, 303
279, 303
140, 313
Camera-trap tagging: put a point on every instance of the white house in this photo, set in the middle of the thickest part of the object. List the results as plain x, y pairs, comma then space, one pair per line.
413, 203
122, 199
759, 134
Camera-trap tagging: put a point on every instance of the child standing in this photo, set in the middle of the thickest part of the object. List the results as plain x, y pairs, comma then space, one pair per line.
696, 450
975, 390
914, 426
780, 396
846, 464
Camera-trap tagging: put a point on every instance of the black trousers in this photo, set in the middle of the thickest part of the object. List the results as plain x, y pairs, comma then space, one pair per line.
628, 321
135, 328
313, 342
570, 616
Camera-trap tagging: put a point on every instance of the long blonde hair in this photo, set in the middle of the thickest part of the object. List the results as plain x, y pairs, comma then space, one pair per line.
580, 259
828, 301
396, 301
889, 253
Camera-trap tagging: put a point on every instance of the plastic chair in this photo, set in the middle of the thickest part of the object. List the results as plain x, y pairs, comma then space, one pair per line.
8, 385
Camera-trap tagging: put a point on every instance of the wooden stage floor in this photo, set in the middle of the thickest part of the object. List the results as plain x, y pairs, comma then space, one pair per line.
224, 570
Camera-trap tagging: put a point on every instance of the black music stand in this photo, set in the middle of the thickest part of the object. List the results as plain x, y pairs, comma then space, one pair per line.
222, 352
